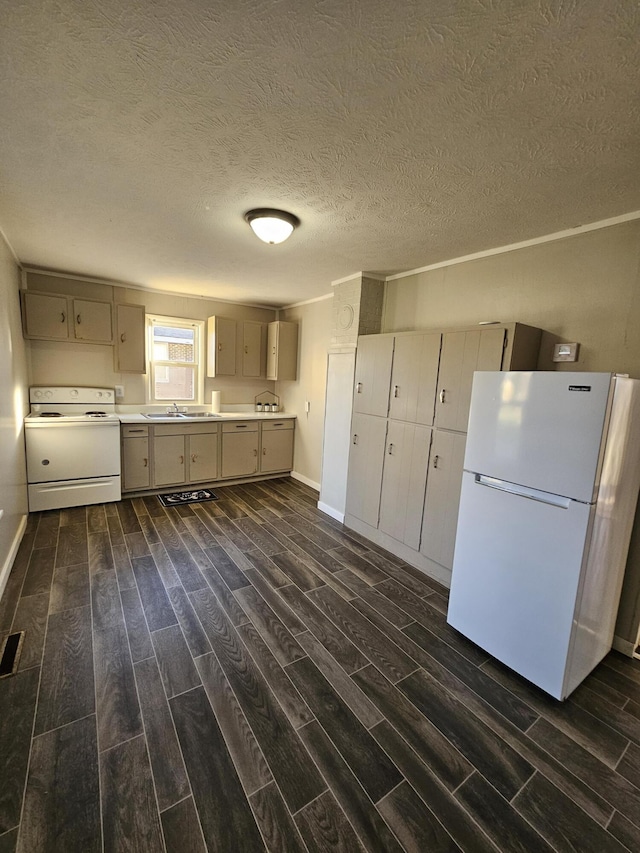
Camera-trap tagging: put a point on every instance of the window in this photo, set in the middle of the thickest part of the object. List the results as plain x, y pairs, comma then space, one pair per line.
175, 350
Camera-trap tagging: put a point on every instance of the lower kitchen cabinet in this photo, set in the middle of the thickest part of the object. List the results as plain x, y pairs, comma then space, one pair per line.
169, 456
442, 499
239, 449
203, 457
185, 453
277, 446
403, 479
368, 435
176, 454
136, 471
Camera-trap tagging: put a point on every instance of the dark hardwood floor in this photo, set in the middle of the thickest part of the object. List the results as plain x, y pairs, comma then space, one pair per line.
247, 674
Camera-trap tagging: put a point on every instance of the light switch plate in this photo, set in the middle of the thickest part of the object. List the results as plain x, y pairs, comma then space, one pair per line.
566, 352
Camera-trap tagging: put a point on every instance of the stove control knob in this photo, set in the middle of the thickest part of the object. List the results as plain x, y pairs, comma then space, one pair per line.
99, 394
48, 394
37, 394
74, 393
107, 394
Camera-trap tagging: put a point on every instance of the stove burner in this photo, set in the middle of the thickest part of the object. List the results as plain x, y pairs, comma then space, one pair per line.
96, 414
50, 415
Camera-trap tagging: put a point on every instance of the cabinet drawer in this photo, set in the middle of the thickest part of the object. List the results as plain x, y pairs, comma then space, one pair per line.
135, 430
271, 425
184, 429
247, 426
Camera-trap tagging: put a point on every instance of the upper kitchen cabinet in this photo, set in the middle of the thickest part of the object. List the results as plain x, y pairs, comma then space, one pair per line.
49, 316
253, 336
282, 350
129, 352
45, 316
92, 321
221, 346
373, 374
414, 378
501, 347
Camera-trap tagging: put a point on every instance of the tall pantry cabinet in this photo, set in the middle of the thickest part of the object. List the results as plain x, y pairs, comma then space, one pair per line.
411, 405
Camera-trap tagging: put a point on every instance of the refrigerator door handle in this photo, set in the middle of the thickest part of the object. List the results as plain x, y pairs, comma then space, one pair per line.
523, 491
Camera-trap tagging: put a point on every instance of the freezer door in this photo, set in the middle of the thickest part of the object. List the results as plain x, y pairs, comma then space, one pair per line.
516, 578
539, 429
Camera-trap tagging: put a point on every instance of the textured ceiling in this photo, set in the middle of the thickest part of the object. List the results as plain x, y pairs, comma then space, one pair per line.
135, 134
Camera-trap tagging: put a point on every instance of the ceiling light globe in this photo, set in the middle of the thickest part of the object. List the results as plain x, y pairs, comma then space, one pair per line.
271, 226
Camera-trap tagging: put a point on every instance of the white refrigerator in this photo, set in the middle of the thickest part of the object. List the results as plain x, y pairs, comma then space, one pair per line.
550, 484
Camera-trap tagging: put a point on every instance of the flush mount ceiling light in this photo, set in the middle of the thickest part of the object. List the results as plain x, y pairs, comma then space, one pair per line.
271, 226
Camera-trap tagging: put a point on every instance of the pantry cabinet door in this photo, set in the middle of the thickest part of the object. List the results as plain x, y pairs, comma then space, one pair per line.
373, 374
444, 482
462, 354
130, 343
414, 378
403, 481
366, 458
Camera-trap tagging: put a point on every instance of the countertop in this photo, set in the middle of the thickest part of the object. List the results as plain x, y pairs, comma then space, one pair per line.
139, 418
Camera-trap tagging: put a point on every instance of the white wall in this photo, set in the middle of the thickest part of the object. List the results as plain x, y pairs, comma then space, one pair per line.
314, 330
13, 407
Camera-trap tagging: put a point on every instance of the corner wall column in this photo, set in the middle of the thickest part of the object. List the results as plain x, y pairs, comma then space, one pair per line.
357, 310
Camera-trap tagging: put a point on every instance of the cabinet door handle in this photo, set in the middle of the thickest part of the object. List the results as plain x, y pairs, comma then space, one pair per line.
63, 317
136, 430
391, 449
219, 347
395, 390
193, 457
246, 350
241, 426
435, 461
145, 462
182, 460
264, 451
273, 352
78, 321
355, 439
359, 388
123, 337
442, 393
255, 451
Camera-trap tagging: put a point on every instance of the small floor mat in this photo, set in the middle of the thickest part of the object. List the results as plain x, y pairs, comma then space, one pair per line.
193, 497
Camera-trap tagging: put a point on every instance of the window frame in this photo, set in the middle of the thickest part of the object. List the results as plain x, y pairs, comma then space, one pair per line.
198, 326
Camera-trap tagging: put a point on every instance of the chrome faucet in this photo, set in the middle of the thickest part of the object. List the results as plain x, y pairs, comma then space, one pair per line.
174, 409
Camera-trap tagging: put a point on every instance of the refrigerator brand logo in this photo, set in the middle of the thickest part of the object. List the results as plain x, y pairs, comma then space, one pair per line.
579, 387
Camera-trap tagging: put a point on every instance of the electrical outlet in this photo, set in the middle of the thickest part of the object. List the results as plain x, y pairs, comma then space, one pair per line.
119, 392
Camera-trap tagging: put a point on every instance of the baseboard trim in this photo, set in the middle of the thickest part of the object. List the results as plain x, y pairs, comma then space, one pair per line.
11, 556
334, 513
624, 646
308, 482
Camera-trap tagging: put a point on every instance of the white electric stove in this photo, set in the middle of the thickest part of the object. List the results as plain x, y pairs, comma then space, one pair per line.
72, 438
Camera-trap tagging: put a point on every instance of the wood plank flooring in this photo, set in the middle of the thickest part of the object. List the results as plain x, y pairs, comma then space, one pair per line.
249, 675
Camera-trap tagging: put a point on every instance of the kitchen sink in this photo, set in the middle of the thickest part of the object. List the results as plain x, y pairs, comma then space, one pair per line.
182, 415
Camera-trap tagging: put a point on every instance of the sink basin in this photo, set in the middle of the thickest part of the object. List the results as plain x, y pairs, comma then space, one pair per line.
182, 415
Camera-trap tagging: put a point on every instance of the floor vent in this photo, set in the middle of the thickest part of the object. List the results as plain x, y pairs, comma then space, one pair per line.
10, 654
